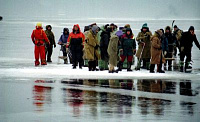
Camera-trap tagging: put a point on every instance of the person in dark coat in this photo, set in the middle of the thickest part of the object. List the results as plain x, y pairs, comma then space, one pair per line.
127, 49
186, 44
105, 38
171, 44
49, 47
164, 48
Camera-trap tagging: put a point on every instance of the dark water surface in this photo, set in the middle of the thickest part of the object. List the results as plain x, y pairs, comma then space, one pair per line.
24, 100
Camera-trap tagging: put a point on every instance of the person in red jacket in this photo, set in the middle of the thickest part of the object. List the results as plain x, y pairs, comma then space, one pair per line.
76, 42
39, 38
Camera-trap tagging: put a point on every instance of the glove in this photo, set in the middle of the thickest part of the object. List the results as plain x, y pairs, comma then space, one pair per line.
33, 42
182, 49
96, 47
134, 51
142, 43
67, 49
165, 53
174, 44
121, 51
54, 46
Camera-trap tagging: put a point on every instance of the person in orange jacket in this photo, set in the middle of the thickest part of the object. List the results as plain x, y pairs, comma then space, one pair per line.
39, 38
76, 42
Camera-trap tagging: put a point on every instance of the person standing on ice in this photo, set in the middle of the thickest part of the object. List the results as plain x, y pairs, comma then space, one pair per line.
39, 38
164, 47
143, 53
51, 38
186, 44
113, 51
127, 49
104, 41
156, 52
171, 44
178, 34
76, 42
63, 42
91, 48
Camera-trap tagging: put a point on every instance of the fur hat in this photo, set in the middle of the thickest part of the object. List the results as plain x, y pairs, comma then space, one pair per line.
159, 32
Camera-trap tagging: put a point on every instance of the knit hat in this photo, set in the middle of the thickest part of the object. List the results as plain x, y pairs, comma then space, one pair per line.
119, 33
145, 25
159, 32
191, 28
94, 28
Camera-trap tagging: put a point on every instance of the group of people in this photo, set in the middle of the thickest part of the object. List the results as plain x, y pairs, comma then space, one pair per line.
109, 46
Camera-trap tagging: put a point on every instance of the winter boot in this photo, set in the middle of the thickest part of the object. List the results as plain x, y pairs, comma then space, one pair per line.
129, 67
160, 69
65, 61
43, 62
152, 66
49, 60
148, 65
89, 65
188, 68
120, 65
181, 66
37, 62
138, 65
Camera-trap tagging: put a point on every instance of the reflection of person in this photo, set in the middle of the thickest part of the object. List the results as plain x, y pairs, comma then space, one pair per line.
41, 95
39, 38
186, 88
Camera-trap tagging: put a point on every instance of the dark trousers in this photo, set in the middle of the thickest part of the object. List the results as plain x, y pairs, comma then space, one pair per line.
49, 52
77, 57
187, 54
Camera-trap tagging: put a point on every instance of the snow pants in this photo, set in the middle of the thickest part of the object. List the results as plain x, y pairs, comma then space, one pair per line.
49, 52
40, 53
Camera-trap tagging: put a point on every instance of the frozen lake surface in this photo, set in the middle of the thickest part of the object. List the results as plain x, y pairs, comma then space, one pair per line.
57, 92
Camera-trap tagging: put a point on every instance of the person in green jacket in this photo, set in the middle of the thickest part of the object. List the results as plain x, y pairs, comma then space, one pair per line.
49, 47
143, 53
127, 49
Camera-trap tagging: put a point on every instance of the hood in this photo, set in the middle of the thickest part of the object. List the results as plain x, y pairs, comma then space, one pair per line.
168, 28
191, 28
48, 27
66, 29
119, 33
129, 29
79, 30
159, 33
94, 29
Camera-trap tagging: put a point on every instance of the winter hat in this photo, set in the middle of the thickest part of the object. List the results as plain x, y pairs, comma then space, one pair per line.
119, 33
94, 28
121, 28
167, 28
191, 28
86, 28
127, 26
175, 26
48, 27
39, 24
145, 25
159, 32
65, 29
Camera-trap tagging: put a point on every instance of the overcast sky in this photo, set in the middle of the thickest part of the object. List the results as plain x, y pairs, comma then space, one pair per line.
148, 9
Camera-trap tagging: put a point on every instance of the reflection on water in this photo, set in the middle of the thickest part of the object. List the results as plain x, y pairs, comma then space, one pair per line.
113, 103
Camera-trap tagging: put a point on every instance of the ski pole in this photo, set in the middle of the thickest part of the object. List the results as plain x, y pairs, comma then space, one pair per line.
141, 54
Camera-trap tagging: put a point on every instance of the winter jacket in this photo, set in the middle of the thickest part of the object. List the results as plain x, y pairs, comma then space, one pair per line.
171, 41
90, 48
144, 37
187, 40
63, 38
113, 49
51, 37
39, 37
76, 40
156, 50
128, 45
178, 34
105, 38
164, 43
